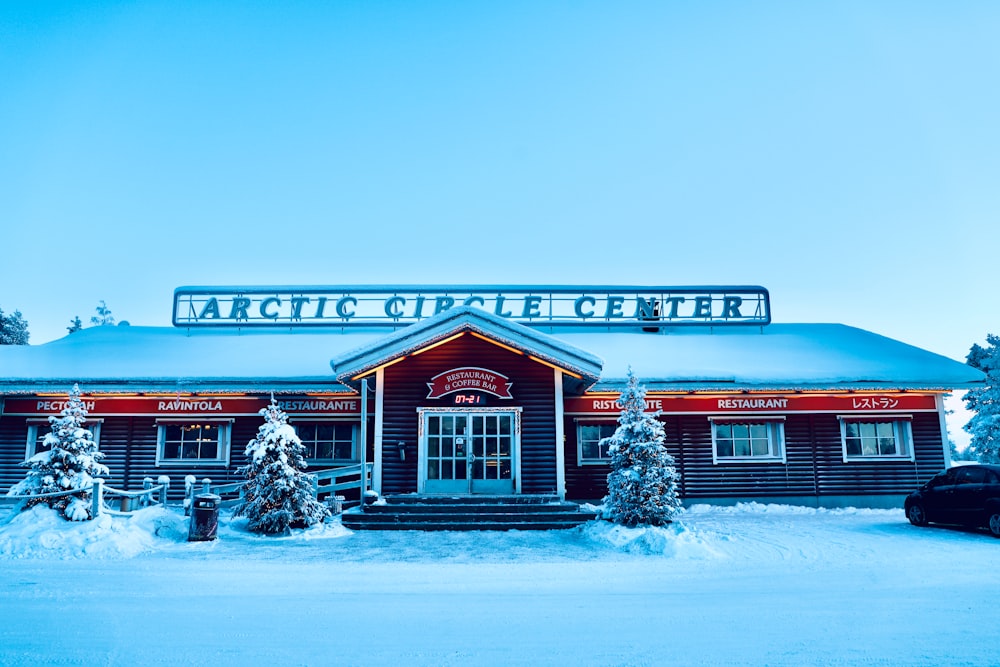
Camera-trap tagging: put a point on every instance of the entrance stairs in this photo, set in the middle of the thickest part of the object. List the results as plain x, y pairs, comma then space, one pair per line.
432, 512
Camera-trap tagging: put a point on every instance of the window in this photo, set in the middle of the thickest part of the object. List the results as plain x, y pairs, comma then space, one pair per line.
875, 438
37, 430
946, 478
748, 441
327, 441
589, 450
971, 475
192, 443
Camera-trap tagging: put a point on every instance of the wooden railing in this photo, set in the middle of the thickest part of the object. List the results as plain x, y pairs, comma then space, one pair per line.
129, 500
325, 483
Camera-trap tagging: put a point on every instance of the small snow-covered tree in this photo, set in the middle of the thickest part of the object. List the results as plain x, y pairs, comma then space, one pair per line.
642, 485
74, 325
985, 402
277, 493
69, 461
13, 329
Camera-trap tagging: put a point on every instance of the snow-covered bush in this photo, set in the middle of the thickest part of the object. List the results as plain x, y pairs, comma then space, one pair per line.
69, 461
277, 494
985, 402
642, 485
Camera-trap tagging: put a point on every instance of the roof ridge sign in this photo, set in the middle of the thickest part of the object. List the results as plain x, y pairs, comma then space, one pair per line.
539, 306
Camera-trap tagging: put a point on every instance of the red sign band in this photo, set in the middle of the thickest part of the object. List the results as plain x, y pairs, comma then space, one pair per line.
200, 405
774, 403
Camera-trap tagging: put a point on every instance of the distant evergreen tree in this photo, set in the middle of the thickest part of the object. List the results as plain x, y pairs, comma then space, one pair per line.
70, 461
13, 329
74, 325
960, 454
985, 402
642, 485
277, 494
103, 317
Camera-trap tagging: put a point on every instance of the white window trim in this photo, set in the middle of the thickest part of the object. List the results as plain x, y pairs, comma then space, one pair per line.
901, 430
225, 437
775, 438
355, 435
92, 425
580, 461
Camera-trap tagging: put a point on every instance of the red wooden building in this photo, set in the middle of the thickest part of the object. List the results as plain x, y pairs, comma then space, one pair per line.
498, 390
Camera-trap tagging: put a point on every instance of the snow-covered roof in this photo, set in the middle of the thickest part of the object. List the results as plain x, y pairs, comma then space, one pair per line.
163, 358
777, 356
774, 357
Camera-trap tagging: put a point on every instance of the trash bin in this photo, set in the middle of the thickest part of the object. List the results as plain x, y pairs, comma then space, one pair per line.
204, 518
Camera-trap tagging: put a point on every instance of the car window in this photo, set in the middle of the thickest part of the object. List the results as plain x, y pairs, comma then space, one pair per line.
971, 475
943, 479
992, 478
948, 477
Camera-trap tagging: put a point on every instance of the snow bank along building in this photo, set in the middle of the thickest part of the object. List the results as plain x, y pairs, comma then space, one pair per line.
497, 390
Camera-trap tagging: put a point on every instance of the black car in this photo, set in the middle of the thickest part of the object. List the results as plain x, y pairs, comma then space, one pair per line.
968, 495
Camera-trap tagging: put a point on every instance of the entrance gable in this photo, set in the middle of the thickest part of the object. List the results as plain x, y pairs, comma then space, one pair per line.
453, 324
469, 399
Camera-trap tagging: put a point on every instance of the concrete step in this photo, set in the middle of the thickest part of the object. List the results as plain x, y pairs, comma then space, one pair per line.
444, 517
467, 513
476, 499
467, 526
470, 508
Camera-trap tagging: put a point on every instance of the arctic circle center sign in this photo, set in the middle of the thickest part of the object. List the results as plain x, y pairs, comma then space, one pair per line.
348, 306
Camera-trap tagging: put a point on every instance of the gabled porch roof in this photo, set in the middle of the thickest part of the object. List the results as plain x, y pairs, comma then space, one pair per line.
352, 366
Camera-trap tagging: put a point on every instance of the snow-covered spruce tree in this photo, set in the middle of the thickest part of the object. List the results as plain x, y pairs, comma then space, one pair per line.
642, 485
985, 402
277, 494
13, 329
70, 461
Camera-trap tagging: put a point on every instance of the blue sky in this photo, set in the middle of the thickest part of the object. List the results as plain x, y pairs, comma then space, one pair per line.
843, 155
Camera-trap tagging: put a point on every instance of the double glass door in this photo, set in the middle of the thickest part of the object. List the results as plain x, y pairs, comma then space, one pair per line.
469, 452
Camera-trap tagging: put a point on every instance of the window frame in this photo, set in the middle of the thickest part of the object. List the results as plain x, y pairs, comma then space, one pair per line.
34, 426
295, 422
776, 446
580, 423
902, 434
224, 441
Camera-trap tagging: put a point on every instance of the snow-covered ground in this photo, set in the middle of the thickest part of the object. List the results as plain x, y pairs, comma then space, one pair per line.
750, 585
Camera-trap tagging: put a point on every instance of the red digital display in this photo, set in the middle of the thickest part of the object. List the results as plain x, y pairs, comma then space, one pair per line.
469, 399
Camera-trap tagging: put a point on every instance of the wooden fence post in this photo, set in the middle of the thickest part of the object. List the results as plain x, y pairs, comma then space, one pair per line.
189, 482
164, 482
97, 498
